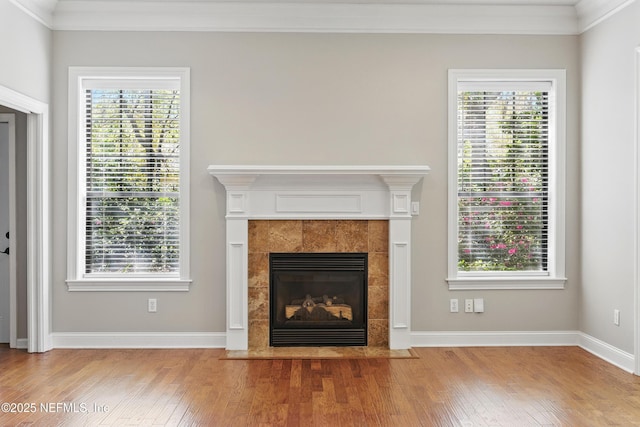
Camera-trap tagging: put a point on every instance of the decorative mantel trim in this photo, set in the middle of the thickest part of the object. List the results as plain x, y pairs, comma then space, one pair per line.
318, 192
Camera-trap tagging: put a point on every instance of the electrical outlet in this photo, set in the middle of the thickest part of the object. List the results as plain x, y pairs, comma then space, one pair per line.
453, 305
468, 305
616, 317
478, 305
152, 305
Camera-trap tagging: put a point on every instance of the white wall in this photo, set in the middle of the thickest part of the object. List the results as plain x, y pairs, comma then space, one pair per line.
312, 99
25, 63
608, 152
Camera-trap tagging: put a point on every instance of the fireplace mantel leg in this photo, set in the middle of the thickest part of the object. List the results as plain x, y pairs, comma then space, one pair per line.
237, 284
400, 261
400, 284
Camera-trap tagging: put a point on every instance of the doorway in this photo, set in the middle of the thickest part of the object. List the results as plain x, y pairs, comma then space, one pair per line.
637, 220
8, 318
38, 255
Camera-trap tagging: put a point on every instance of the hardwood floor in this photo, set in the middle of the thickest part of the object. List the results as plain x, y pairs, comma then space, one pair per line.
514, 386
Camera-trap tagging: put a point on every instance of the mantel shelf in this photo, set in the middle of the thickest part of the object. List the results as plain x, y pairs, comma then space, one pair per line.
217, 170
244, 176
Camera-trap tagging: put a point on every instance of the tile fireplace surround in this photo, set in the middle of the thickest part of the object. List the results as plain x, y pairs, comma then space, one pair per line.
313, 196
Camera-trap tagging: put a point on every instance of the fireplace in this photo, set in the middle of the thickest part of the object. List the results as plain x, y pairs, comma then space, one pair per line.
283, 193
318, 299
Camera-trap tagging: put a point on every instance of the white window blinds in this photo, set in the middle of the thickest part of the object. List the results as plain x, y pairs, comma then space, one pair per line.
132, 177
503, 176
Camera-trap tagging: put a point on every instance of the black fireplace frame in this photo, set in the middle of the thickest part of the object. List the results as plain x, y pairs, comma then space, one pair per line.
339, 335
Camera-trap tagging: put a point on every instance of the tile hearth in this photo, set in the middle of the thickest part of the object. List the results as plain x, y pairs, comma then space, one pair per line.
296, 236
320, 353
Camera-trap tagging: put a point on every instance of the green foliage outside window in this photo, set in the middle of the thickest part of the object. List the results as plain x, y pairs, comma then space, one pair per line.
502, 181
132, 181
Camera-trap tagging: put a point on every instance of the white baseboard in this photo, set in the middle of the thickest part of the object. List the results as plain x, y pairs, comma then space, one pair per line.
611, 354
138, 339
607, 352
604, 351
22, 343
494, 338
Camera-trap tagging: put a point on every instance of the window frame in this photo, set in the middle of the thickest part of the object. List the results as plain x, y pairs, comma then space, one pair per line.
554, 277
77, 280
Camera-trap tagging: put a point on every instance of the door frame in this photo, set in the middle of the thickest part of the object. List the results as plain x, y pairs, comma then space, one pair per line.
39, 218
636, 299
10, 119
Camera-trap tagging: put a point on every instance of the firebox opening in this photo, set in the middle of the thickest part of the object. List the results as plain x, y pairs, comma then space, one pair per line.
318, 299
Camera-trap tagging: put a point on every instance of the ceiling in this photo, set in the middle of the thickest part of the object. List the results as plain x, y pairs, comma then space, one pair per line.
346, 16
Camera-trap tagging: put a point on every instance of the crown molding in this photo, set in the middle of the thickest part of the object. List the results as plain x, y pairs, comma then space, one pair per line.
313, 16
592, 12
559, 17
40, 10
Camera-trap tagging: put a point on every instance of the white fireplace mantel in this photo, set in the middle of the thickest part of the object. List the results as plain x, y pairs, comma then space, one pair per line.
319, 192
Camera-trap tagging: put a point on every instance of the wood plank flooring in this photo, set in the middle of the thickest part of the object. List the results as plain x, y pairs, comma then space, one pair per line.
513, 386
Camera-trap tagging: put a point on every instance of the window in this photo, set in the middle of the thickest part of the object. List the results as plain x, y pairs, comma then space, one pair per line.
506, 183
129, 181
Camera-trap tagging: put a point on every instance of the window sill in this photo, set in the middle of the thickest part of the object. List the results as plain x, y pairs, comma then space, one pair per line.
128, 285
496, 283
